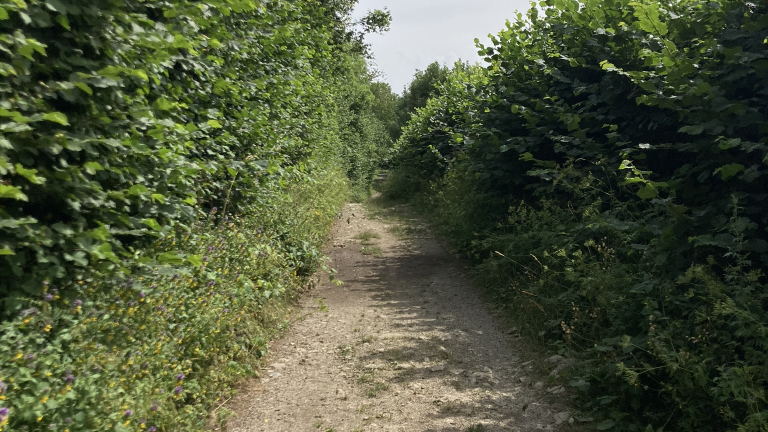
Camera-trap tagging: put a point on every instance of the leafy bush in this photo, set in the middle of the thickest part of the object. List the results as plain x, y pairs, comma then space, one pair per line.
168, 172
605, 172
158, 350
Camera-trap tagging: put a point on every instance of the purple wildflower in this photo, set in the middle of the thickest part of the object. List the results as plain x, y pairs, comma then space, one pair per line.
78, 302
180, 377
152, 429
211, 283
69, 379
127, 413
4, 413
142, 295
178, 390
154, 407
48, 297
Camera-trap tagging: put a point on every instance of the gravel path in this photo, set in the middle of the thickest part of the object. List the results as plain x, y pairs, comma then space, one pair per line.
406, 344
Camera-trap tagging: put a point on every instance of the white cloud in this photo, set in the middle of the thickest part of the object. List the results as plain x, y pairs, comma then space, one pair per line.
424, 31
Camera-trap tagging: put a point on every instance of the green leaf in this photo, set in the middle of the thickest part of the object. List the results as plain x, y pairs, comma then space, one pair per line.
152, 223
137, 190
63, 21
92, 167
158, 197
12, 192
6, 251
647, 192
214, 124
730, 170
195, 260
605, 425
56, 117
692, 130
3, 13
170, 258
29, 174
163, 104
84, 87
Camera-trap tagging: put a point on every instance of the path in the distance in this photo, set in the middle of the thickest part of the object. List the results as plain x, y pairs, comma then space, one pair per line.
405, 345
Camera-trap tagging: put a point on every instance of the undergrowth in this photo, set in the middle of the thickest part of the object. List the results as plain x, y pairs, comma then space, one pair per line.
603, 174
158, 349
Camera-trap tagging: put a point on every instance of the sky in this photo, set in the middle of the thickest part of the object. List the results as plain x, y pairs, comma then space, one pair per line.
425, 31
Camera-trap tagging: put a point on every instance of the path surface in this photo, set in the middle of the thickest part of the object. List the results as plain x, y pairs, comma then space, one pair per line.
405, 345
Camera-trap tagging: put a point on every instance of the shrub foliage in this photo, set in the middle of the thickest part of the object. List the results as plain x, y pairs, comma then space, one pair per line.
168, 171
607, 172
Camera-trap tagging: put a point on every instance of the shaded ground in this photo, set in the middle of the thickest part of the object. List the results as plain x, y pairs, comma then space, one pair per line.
406, 344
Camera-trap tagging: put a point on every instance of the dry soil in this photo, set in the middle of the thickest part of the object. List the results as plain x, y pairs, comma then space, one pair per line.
405, 344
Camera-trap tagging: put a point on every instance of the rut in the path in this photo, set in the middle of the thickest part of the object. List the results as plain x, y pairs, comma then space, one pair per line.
406, 345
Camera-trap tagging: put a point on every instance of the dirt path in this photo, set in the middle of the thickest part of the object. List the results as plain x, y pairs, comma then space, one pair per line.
405, 345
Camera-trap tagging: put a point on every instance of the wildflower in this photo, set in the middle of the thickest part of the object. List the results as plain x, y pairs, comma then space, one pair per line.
48, 297
3, 414
69, 379
154, 407
211, 283
152, 429
78, 302
142, 295
127, 413
178, 390
179, 377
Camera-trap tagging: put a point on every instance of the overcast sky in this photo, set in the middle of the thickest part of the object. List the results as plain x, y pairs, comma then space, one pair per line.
424, 31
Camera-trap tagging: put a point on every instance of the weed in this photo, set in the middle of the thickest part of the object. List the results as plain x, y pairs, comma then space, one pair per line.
366, 339
371, 250
321, 306
367, 237
376, 388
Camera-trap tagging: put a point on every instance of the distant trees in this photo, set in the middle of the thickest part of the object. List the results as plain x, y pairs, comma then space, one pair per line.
424, 85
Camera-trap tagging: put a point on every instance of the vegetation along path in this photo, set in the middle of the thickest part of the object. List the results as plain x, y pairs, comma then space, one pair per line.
404, 344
